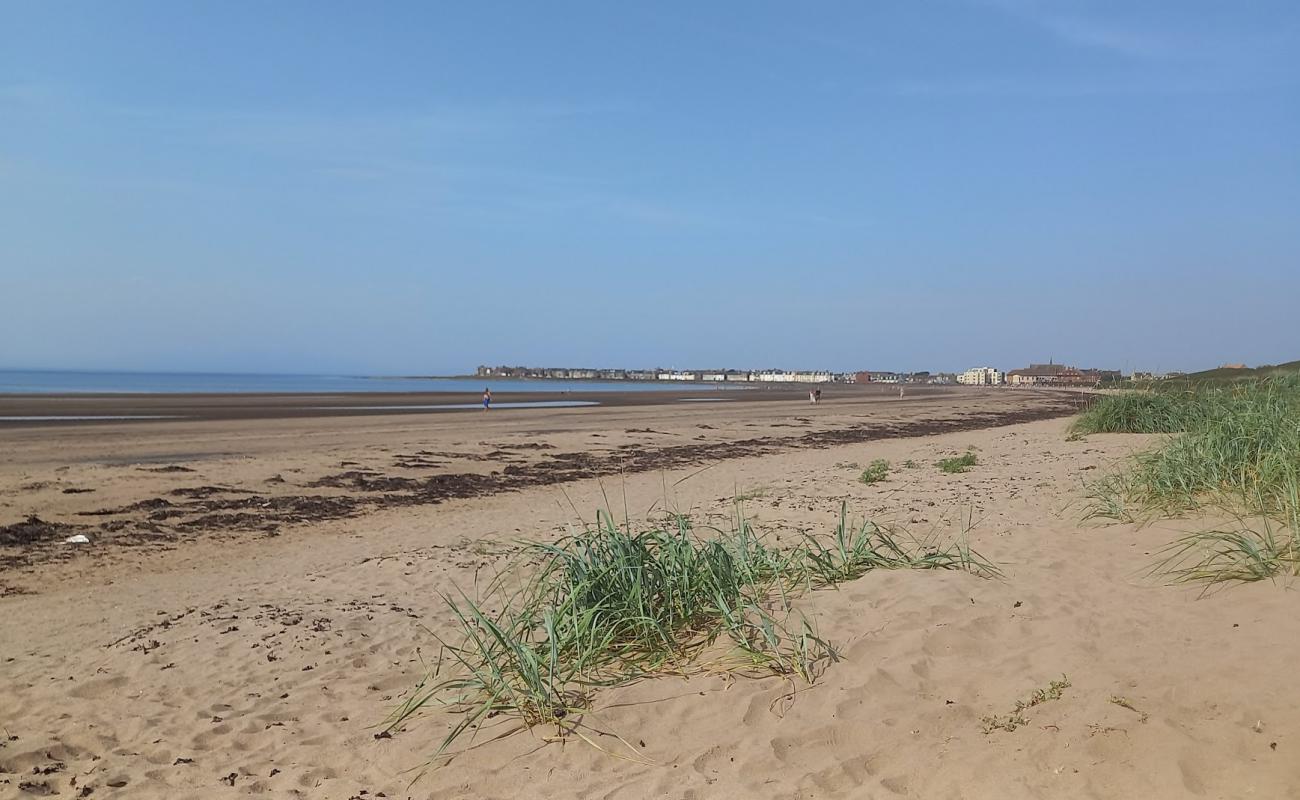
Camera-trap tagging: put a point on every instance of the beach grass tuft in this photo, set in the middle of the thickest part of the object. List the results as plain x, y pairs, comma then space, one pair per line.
608, 605
876, 472
1233, 449
1139, 412
958, 464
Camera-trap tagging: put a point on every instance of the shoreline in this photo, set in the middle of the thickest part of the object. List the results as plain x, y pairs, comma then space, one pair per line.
43, 409
242, 472
354, 489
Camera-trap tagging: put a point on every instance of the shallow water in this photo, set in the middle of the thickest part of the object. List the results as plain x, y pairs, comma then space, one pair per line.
86, 417
447, 406
57, 382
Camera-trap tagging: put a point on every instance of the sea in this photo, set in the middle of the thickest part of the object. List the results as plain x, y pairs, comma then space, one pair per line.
65, 382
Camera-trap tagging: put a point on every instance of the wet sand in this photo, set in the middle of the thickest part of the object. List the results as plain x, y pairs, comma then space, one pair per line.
159, 484
37, 409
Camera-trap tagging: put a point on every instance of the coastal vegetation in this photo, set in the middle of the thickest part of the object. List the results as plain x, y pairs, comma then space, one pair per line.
1236, 373
957, 464
1231, 448
876, 472
1016, 717
610, 604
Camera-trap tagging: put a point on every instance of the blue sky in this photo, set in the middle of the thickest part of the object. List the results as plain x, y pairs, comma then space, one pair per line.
422, 187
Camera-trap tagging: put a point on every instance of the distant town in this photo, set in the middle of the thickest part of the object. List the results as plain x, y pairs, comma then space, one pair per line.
1049, 374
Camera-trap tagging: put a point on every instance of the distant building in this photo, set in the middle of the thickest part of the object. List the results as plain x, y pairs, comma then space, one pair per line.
503, 372
982, 376
1050, 374
782, 376
661, 374
881, 376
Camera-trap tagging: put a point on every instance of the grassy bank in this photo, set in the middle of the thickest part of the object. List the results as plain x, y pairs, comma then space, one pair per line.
1233, 449
610, 605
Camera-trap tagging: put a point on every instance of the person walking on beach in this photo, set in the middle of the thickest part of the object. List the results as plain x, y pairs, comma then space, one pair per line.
487, 399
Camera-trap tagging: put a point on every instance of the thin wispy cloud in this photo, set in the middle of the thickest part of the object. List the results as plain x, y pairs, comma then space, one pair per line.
1121, 35
1103, 36
1126, 57
447, 142
1081, 30
306, 130
1047, 88
411, 152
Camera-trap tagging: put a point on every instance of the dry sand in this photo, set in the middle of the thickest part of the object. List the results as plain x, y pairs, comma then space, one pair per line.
228, 650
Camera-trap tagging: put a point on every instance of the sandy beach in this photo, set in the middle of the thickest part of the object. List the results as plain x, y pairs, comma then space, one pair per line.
261, 589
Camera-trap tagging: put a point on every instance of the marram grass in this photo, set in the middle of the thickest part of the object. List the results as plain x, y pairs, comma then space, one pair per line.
957, 464
1139, 412
1232, 448
609, 605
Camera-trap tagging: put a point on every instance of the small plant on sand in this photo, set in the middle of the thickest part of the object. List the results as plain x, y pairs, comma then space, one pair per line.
1004, 722
910, 464
1015, 719
875, 473
1052, 691
1123, 702
956, 464
609, 605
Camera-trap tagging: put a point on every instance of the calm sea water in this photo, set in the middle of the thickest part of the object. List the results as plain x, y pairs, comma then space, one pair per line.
32, 381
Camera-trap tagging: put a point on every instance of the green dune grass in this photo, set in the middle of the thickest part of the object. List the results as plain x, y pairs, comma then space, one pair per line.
1233, 448
609, 605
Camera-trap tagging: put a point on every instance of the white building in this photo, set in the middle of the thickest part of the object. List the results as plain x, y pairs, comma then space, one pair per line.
982, 376
779, 376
